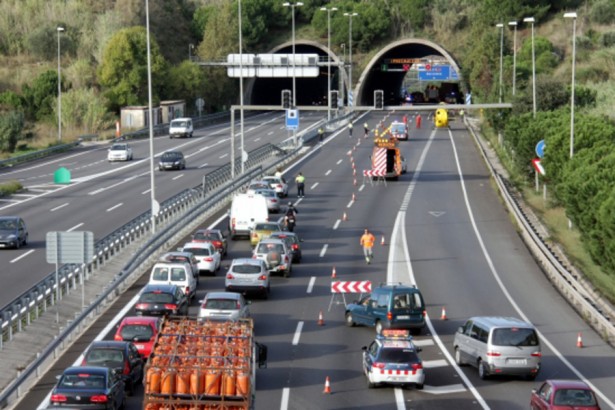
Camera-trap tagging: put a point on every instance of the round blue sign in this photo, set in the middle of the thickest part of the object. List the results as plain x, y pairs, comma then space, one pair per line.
540, 148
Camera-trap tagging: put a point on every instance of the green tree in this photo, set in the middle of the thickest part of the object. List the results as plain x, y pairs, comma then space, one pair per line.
41, 95
187, 80
123, 72
11, 125
85, 111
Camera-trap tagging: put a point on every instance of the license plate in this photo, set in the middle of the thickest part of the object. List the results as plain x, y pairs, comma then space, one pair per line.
140, 347
517, 361
403, 317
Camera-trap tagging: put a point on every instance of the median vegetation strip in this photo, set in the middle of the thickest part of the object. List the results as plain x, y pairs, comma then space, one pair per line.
9, 188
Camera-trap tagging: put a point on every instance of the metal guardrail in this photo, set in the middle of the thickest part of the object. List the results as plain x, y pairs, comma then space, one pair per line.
38, 154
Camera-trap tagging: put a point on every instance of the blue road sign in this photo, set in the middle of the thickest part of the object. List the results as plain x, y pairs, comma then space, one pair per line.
540, 148
437, 73
292, 119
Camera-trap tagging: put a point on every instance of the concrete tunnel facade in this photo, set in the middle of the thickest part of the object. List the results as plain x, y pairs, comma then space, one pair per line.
311, 91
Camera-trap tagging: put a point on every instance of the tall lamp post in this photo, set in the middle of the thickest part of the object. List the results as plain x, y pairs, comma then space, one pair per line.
350, 97
573, 16
501, 27
154, 204
531, 20
292, 6
240, 90
60, 30
328, 10
514, 78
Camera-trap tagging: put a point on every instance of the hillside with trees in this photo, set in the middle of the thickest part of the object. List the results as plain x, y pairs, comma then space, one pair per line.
103, 59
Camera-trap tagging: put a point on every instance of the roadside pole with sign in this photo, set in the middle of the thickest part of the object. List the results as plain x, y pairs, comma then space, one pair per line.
292, 122
540, 152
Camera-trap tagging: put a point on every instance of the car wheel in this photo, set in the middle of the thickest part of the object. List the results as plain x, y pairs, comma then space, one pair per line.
159, 168
349, 320
482, 372
265, 294
420, 386
458, 358
17, 243
379, 327
25, 241
371, 385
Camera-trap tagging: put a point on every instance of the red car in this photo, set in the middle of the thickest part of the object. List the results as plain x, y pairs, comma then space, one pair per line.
564, 395
141, 330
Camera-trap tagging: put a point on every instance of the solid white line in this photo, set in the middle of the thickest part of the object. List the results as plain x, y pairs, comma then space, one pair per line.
337, 223
115, 206
361, 187
146, 191
423, 342
22, 256
430, 364
339, 162
58, 207
324, 250
448, 389
327, 173
314, 186
257, 139
75, 227
203, 166
285, 397
178, 177
510, 299
297, 333
311, 284
97, 191
399, 398
223, 155
350, 204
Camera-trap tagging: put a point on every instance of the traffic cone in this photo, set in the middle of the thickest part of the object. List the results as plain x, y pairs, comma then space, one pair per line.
321, 321
333, 273
354, 172
443, 315
579, 340
344, 217
382, 241
354, 182
327, 389
354, 198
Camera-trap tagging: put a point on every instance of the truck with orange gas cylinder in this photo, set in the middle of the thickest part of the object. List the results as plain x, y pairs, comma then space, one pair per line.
198, 364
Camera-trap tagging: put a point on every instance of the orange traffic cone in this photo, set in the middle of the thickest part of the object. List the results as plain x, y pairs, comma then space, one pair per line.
382, 241
344, 217
354, 172
321, 321
354, 198
443, 315
327, 389
579, 340
333, 274
354, 182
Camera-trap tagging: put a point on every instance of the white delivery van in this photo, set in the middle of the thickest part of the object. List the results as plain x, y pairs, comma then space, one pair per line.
174, 273
181, 127
246, 210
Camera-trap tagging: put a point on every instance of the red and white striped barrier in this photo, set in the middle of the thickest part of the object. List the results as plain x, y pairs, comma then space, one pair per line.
364, 286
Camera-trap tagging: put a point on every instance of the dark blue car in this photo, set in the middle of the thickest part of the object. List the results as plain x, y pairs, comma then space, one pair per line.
89, 387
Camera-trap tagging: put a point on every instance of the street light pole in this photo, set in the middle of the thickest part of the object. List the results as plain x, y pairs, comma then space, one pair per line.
240, 91
154, 205
350, 97
531, 20
292, 6
60, 30
501, 27
573, 16
328, 10
514, 79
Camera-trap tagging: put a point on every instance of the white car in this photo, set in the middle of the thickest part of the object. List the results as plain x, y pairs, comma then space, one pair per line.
278, 184
119, 152
208, 258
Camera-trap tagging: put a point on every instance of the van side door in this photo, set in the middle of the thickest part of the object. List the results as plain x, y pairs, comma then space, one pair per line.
380, 308
477, 343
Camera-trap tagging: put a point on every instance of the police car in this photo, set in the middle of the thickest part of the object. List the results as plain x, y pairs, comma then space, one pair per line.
393, 359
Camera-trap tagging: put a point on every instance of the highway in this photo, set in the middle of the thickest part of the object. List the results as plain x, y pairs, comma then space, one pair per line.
445, 230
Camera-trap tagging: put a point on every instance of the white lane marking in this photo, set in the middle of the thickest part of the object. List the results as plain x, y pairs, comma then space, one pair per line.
146, 191
399, 398
97, 191
24, 195
22, 256
204, 148
323, 250
310, 287
115, 206
58, 207
350, 204
297, 333
399, 234
113, 186
361, 187
223, 155
257, 139
423, 342
337, 223
314, 186
509, 297
270, 133
178, 177
75, 227
436, 213
430, 364
339, 162
203, 166
327, 173
451, 388
285, 398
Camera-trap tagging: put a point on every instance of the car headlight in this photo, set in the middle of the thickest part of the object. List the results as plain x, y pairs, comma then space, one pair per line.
12, 236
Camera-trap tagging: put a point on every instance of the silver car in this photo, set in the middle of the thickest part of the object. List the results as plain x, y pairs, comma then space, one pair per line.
224, 305
119, 152
273, 202
276, 254
208, 258
278, 184
247, 275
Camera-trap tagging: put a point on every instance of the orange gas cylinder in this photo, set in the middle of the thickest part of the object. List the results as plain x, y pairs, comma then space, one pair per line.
212, 383
168, 382
196, 382
152, 381
152, 406
182, 382
228, 384
243, 384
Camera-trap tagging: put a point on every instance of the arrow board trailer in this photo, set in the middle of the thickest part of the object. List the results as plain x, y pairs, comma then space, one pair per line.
386, 158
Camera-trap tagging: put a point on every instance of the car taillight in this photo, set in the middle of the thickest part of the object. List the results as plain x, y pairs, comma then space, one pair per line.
238, 305
253, 256
493, 354
254, 235
170, 306
295, 247
230, 276
424, 313
118, 338
537, 354
208, 259
126, 370
217, 244
99, 398
389, 316
274, 200
58, 398
279, 186
262, 277
415, 367
187, 291
84, 362
233, 223
141, 306
379, 365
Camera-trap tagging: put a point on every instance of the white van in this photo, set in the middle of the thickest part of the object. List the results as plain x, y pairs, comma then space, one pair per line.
246, 210
181, 127
174, 273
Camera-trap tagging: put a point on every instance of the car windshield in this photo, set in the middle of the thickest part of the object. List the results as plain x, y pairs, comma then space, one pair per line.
160, 273
82, 381
247, 268
104, 356
136, 332
178, 274
171, 156
156, 297
205, 236
514, 336
266, 227
398, 128
198, 251
574, 397
269, 247
7, 224
222, 304
397, 356
178, 258
118, 147
179, 124
266, 193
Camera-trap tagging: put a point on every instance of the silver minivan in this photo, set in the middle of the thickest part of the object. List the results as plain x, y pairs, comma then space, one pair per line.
498, 346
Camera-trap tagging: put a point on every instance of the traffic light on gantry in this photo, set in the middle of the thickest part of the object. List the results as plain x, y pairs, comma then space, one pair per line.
379, 99
286, 102
334, 97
